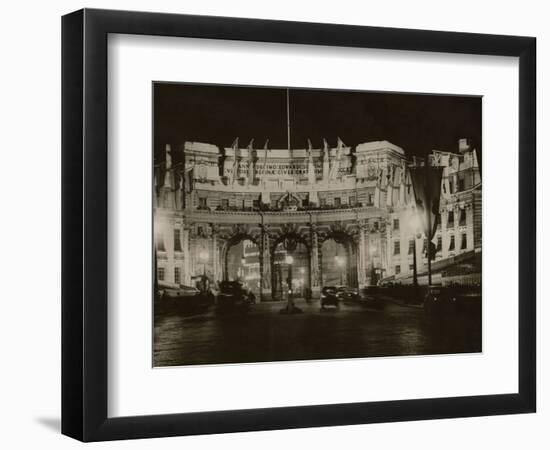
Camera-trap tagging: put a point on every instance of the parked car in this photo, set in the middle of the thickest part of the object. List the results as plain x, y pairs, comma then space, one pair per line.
329, 297
185, 298
440, 300
348, 294
233, 296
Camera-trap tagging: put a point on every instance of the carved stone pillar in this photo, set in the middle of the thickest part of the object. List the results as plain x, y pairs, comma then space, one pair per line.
362, 259
265, 264
389, 249
215, 254
186, 255
315, 263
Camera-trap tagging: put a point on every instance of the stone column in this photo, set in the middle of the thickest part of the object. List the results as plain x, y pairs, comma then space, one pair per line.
186, 276
362, 260
265, 264
389, 249
314, 263
215, 256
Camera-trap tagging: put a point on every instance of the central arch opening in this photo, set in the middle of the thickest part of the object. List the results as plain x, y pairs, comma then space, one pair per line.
242, 263
338, 262
291, 270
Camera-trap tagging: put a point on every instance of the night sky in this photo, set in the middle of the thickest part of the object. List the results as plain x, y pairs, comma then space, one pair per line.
217, 114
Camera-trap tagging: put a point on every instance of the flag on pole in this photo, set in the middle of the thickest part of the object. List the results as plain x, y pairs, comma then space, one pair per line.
426, 181
250, 162
235, 147
478, 157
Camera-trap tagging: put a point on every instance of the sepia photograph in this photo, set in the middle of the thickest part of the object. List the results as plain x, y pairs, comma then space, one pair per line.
295, 224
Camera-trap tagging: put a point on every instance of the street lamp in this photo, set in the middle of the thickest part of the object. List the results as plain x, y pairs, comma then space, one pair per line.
414, 230
290, 302
289, 260
203, 257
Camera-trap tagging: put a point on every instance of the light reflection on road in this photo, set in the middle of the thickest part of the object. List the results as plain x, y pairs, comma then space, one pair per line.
262, 334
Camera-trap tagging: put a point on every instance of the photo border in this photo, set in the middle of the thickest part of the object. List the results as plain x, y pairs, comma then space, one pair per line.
84, 224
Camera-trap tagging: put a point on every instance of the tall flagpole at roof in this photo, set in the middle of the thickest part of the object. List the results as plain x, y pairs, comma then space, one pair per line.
288, 119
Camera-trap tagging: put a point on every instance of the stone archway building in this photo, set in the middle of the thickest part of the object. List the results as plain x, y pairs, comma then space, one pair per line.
207, 199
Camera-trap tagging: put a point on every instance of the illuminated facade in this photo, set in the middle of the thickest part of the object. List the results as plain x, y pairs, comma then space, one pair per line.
208, 199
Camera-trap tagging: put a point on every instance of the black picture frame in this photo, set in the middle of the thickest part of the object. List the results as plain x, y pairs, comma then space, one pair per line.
84, 224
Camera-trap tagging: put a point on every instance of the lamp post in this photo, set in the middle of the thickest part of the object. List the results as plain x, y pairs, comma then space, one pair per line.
302, 279
289, 260
414, 230
203, 257
415, 270
289, 308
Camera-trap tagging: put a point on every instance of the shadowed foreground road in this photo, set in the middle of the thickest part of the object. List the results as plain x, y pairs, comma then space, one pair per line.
262, 334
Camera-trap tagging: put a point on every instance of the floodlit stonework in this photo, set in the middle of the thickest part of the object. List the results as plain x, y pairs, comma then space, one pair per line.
208, 199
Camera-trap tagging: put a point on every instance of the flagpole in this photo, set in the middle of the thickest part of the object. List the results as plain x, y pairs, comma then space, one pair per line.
288, 118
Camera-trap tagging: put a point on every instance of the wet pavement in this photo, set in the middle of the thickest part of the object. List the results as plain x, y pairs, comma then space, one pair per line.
262, 334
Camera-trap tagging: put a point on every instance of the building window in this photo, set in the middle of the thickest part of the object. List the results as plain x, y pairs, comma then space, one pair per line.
396, 224
305, 202
243, 204
452, 243
396, 248
439, 244
411, 246
370, 200
460, 184
225, 203
411, 267
337, 201
256, 204
352, 201
177, 241
462, 220
202, 202
463, 242
323, 202
376, 225
161, 273
177, 275
160, 243
451, 219
397, 269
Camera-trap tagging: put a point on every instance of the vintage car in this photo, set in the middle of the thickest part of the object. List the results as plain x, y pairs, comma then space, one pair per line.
329, 297
453, 300
233, 296
440, 300
185, 298
347, 294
